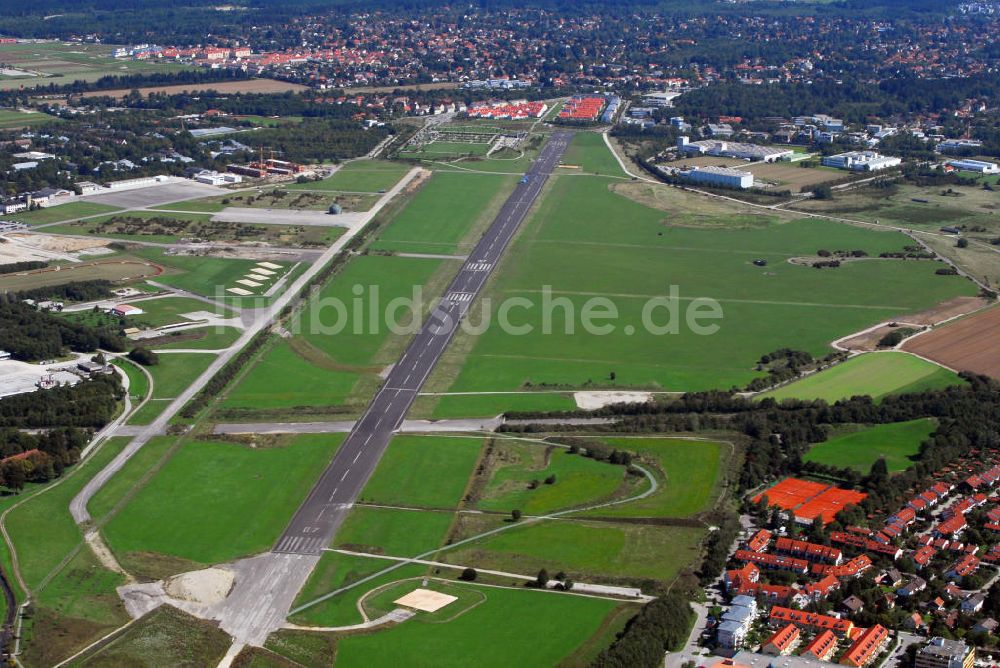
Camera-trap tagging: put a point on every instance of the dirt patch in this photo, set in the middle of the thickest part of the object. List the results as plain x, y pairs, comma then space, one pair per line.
968, 344
59, 244
867, 341
111, 270
207, 586
594, 400
105, 556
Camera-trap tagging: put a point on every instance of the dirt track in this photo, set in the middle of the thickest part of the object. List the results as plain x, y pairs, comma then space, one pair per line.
939, 313
969, 344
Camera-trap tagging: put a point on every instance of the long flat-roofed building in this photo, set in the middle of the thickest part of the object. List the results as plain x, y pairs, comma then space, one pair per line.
981, 166
861, 161
731, 149
943, 653
719, 176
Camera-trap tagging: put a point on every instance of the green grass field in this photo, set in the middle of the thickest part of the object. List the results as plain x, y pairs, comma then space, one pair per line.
215, 501
62, 63
368, 176
207, 276
585, 550
13, 118
687, 473
585, 241
445, 149
144, 462
397, 533
202, 338
494, 632
138, 384
897, 442
68, 211
425, 471
874, 374
514, 465
589, 152
441, 214
173, 373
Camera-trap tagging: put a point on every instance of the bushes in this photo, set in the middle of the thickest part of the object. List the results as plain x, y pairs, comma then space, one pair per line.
92, 404
144, 356
15, 267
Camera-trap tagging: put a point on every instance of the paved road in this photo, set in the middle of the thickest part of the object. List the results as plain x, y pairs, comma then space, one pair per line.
78, 505
317, 520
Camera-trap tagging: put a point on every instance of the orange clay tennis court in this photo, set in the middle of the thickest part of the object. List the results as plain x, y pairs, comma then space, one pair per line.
808, 501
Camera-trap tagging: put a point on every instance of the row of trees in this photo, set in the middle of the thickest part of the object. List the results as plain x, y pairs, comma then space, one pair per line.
89, 404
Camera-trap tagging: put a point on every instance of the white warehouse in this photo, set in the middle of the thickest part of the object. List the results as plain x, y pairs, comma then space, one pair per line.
861, 161
980, 166
729, 149
719, 176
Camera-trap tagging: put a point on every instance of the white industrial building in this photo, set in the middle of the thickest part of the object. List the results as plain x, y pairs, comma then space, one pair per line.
217, 179
660, 99
953, 145
729, 149
980, 166
719, 176
861, 161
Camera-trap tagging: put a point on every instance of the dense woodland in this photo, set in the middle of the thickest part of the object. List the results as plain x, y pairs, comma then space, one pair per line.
38, 457
31, 336
90, 404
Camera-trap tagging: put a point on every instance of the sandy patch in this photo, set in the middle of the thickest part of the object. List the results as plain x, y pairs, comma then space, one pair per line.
51, 242
594, 400
425, 600
269, 265
208, 586
239, 291
105, 556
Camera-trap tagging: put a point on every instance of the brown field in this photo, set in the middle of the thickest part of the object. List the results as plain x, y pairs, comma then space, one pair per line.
249, 86
111, 270
968, 344
952, 308
792, 176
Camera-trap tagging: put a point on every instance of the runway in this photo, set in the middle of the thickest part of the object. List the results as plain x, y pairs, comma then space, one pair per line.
321, 514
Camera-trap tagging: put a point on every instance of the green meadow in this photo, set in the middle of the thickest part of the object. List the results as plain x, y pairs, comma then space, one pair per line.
898, 443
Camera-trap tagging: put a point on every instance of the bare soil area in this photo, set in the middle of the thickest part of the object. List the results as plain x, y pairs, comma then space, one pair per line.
968, 344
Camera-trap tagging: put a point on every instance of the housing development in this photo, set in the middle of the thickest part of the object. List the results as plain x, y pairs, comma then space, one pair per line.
522, 333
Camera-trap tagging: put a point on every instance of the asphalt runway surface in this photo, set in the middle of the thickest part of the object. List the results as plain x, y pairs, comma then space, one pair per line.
321, 514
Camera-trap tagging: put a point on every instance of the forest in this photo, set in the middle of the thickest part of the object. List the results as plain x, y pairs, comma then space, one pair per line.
90, 404
32, 336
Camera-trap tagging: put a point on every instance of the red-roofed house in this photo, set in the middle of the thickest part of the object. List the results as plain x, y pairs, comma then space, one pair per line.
759, 541
782, 641
866, 647
822, 646
809, 620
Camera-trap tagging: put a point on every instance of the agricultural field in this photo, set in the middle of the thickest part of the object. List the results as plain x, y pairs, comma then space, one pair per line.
860, 447
968, 344
442, 214
12, 119
875, 374
793, 176
501, 621
587, 242
118, 270
249, 86
55, 214
63, 63
359, 176
215, 501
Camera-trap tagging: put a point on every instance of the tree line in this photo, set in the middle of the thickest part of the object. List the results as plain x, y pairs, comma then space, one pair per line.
38, 457
89, 404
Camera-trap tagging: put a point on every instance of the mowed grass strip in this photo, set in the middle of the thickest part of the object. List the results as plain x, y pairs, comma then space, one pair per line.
585, 241
171, 376
589, 152
687, 473
898, 443
518, 472
873, 374
216, 501
397, 533
427, 471
68, 211
585, 550
501, 623
359, 176
443, 212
